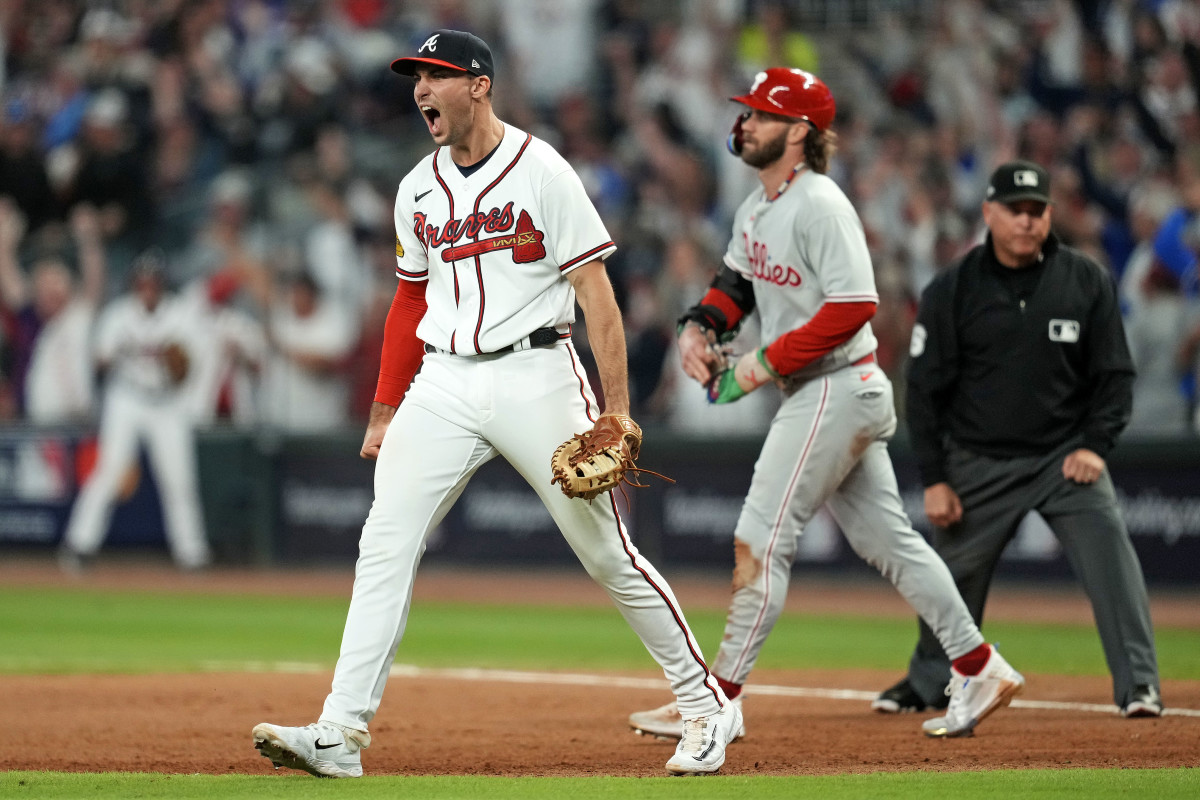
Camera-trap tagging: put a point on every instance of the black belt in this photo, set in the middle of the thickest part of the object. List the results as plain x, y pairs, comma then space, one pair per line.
542, 337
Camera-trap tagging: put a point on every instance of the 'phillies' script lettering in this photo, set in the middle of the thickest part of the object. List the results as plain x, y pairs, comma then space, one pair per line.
764, 270
498, 219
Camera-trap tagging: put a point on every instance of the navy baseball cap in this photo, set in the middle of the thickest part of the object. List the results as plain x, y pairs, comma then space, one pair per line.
453, 49
1019, 180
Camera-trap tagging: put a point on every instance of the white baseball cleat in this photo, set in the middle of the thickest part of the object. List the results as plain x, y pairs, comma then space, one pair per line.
973, 697
665, 722
322, 749
701, 750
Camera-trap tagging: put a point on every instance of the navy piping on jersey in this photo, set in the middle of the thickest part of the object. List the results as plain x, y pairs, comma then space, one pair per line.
450, 198
478, 263
586, 256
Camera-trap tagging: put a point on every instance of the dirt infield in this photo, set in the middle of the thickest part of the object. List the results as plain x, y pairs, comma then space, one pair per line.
438, 725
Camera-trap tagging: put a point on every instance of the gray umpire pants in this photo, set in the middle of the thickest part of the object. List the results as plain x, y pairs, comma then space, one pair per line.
996, 494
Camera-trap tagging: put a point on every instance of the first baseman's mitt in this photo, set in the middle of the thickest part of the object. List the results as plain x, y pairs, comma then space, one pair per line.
177, 362
597, 461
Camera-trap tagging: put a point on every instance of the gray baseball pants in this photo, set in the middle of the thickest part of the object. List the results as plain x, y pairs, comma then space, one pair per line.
996, 494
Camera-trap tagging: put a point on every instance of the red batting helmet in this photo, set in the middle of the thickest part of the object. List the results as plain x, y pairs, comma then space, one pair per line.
790, 93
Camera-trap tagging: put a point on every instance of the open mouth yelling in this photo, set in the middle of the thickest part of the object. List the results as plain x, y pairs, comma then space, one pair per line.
433, 118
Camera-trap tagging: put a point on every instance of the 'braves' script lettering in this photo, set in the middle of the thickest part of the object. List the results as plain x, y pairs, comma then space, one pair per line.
498, 219
764, 270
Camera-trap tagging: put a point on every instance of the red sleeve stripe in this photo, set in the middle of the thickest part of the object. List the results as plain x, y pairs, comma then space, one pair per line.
412, 276
588, 256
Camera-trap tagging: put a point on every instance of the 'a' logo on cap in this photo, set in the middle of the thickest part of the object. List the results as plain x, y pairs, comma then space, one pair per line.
430, 43
1025, 177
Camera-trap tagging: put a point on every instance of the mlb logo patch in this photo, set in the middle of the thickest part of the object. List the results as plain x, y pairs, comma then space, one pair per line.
1025, 177
916, 345
1064, 330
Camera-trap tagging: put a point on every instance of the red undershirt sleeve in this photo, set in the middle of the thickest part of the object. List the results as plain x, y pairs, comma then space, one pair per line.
402, 350
832, 325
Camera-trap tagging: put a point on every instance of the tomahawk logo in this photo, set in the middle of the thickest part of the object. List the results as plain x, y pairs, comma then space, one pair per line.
430, 43
1025, 177
525, 243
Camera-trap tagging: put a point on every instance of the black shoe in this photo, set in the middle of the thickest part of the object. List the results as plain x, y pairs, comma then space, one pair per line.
1145, 703
901, 699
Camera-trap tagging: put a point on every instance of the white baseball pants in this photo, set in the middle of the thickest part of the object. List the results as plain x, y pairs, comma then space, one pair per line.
165, 426
459, 413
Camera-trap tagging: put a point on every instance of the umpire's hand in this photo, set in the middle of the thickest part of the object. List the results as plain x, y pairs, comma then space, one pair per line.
1083, 466
942, 506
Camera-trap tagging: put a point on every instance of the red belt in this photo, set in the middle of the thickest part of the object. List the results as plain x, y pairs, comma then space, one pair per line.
869, 358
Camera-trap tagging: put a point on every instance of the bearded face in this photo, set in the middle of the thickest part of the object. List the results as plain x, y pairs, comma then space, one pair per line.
764, 148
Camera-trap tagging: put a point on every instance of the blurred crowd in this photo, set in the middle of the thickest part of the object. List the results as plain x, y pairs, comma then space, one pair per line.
256, 145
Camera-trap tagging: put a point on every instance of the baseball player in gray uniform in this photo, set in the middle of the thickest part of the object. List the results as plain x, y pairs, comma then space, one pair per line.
799, 257
495, 241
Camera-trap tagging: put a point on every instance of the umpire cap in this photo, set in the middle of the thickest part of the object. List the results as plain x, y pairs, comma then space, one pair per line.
454, 49
1019, 180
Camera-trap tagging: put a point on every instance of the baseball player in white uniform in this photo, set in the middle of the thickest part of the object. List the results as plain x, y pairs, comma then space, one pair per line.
799, 257
142, 405
495, 241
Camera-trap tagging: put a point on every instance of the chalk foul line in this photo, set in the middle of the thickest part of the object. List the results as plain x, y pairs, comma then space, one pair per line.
478, 675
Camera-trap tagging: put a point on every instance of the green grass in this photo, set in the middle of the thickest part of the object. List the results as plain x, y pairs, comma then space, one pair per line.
125, 632
80, 630
1003, 785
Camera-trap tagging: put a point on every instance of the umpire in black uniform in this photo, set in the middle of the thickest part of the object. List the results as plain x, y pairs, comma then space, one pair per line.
1019, 384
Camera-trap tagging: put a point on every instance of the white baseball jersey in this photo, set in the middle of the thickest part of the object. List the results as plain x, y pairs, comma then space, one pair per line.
494, 245
803, 250
131, 339
142, 407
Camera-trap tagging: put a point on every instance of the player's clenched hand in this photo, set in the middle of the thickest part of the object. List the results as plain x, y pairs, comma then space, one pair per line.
698, 353
1083, 466
751, 371
942, 505
377, 425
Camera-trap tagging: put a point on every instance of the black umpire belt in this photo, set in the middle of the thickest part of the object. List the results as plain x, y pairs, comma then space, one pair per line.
542, 337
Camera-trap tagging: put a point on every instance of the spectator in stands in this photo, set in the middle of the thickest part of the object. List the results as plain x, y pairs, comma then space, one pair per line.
305, 390
1156, 318
23, 175
54, 314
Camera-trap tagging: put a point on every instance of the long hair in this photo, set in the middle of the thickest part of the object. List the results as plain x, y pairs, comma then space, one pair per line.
819, 147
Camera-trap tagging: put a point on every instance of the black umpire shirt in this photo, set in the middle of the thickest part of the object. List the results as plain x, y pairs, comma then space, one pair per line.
1016, 362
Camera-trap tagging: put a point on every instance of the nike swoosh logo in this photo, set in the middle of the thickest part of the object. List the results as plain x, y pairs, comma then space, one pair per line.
862, 376
711, 744
417, 197
318, 744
